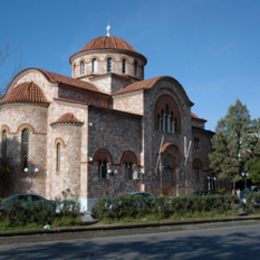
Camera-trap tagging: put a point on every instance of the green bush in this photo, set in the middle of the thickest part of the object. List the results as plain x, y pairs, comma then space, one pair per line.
122, 206
116, 208
41, 213
168, 205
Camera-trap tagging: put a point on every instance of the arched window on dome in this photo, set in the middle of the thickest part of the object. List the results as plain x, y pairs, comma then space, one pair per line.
94, 65
82, 67
58, 156
135, 68
109, 65
25, 148
4, 145
124, 66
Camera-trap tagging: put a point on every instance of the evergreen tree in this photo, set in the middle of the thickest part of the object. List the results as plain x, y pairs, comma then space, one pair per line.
232, 143
253, 165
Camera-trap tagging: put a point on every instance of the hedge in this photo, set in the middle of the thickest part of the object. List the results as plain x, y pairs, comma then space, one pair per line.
114, 208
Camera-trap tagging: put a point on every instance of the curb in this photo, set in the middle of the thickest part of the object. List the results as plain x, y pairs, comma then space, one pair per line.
123, 226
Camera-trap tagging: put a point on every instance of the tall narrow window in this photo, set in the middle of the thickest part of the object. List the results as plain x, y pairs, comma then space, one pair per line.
123, 66
58, 155
102, 169
25, 148
94, 66
4, 145
135, 68
82, 68
109, 65
196, 143
129, 170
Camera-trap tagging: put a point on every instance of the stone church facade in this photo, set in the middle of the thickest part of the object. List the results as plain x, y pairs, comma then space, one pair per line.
104, 131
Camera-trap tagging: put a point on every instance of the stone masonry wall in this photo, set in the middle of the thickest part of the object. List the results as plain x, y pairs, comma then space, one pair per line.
117, 132
152, 137
16, 117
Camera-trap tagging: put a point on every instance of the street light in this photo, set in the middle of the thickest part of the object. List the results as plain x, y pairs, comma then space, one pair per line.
245, 175
31, 173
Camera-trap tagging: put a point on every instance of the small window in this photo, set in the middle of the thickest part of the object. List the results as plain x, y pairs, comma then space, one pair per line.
25, 148
102, 170
94, 66
123, 66
58, 154
4, 145
129, 170
135, 68
109, 65
196, 143
82, 68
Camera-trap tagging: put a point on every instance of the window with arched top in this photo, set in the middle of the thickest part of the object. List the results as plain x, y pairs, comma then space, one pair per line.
94, 65
58, 156
4, 145
25, 135
135, 68
82, 67
124, 66
167, 115
109, 65
102, 157
129, 160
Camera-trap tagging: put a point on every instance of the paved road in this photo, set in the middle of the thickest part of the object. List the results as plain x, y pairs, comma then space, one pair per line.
234, 242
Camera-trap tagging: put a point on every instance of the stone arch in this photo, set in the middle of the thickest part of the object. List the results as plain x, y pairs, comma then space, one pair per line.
5, 128
170, 156
60, 140
102, 154
129, 157
25, 125
167, 116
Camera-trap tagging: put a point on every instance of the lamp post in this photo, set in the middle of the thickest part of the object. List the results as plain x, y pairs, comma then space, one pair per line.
245, 175
113, 174
31, 173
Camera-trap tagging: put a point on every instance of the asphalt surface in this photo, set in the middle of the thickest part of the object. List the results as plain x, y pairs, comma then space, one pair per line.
240, 240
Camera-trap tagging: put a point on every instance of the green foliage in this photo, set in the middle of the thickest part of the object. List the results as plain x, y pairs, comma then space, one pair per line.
169, 206
232, 144
40, 213
121, 207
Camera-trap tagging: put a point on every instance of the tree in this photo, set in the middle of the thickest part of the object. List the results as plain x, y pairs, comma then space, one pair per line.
253, 165
232, 144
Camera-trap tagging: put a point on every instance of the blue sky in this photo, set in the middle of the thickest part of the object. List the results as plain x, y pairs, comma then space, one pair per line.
212, 47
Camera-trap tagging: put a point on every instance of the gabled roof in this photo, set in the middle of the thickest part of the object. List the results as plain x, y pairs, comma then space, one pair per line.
149, 84
64, 80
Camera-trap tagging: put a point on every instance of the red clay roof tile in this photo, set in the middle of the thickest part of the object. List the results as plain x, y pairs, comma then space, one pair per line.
68, 118
108, 42
27, 92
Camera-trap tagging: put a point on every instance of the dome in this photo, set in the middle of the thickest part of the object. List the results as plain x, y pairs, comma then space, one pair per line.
68, 118
27, 92
108, 42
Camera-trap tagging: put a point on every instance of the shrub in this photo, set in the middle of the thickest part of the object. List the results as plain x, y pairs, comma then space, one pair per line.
122, 206
42, 212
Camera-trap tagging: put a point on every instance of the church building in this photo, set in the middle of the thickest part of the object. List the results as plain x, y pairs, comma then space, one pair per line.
103, 131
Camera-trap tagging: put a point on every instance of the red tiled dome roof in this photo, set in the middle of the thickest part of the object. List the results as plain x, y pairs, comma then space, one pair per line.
68, 118
27, 92
108, 42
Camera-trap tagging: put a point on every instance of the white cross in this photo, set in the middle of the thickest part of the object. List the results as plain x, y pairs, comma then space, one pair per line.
108, 28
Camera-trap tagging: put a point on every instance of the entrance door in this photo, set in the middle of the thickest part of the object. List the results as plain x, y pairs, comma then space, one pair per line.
168, 181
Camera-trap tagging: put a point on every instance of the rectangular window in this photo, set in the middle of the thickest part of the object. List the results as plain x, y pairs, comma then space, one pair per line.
196, 142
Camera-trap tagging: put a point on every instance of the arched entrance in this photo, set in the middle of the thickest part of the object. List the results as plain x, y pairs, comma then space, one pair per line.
170, 160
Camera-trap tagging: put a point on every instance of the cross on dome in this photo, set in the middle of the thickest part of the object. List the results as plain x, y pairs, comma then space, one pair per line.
108, 28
